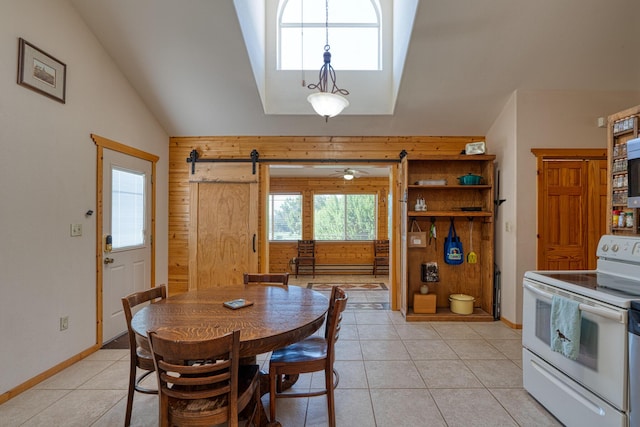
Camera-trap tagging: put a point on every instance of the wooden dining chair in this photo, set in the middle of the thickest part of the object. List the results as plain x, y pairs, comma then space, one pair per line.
201, 382
281, 279
139, 356
380, 256
306, 255
312, 354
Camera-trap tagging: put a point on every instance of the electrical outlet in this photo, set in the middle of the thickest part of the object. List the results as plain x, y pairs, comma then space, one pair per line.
64, 323
76, 230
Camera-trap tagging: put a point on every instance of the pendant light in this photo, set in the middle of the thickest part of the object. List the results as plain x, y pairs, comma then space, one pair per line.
325, 103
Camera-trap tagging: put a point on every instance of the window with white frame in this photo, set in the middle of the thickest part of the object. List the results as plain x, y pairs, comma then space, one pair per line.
354, 34
344, 216
285, 217
127, 208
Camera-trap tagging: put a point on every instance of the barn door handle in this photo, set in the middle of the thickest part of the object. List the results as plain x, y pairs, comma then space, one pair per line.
254, 243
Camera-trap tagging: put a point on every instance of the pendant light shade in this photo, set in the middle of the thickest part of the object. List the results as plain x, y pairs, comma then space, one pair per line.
327, 104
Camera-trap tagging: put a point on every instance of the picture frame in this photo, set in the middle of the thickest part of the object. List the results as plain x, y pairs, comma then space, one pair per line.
41, 72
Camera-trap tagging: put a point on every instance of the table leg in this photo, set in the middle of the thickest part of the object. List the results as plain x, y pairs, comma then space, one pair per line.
287, 382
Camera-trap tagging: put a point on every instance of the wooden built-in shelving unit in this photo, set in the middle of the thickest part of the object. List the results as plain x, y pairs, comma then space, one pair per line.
444, 203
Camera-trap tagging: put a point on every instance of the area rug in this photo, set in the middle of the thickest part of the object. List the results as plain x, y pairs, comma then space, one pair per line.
348, 286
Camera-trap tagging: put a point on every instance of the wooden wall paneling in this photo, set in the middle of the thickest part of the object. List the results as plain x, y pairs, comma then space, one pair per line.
323, 147
280, 256
193, 236
277, 147
307, 215
383, 212
179, 219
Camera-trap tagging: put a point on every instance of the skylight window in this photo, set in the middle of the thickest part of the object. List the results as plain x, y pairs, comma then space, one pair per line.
354, 34
368, 42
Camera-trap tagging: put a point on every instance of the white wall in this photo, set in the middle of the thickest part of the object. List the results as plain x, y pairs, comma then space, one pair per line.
538, 119
502, 141
48, 181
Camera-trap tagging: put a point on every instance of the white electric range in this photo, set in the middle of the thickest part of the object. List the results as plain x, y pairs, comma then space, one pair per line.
592, 390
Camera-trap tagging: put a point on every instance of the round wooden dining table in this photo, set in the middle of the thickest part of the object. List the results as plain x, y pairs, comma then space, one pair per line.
279, 316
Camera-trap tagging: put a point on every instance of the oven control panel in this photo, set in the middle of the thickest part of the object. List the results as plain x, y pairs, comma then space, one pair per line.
619, 248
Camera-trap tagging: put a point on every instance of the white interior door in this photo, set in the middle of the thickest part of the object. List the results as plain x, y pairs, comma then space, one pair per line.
126, 235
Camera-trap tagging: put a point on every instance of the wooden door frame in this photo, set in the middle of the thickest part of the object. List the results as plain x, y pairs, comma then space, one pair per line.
544, 154
101, 144
398, 267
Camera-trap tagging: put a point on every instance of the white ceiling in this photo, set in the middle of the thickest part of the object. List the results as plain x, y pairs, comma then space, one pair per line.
188, 62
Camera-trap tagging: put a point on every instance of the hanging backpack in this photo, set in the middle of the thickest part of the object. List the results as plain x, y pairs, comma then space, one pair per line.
453, 247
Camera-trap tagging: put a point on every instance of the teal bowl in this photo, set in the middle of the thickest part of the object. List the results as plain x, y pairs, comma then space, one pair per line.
470, 179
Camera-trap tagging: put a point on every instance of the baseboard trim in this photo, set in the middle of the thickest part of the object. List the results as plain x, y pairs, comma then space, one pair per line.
509, 324
47, 374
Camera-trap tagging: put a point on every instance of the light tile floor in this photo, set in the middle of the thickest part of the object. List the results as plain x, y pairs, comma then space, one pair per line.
392, 373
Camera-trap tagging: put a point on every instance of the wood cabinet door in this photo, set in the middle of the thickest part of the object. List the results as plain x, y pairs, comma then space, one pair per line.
571, 212
597, 208
223, 231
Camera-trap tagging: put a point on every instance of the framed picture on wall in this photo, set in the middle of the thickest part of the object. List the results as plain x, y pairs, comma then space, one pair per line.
41, 72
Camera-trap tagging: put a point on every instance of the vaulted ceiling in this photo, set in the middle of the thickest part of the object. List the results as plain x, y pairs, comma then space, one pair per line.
189, 63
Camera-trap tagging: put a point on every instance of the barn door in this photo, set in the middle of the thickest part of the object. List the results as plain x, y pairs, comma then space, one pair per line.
223, 234
571, 212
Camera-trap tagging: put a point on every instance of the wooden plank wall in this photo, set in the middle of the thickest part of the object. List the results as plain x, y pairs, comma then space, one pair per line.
330, 253
277, 147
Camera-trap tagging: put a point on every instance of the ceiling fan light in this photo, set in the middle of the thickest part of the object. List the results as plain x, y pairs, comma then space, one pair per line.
327, 104
348, 175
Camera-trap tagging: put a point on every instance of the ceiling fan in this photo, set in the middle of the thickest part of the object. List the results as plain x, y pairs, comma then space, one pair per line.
348, 174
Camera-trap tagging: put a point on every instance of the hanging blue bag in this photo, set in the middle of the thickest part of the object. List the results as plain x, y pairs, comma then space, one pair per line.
453, 247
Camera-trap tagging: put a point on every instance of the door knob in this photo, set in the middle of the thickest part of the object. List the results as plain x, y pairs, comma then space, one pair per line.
108, 260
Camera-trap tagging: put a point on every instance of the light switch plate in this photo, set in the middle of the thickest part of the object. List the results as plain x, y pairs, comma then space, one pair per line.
76, 230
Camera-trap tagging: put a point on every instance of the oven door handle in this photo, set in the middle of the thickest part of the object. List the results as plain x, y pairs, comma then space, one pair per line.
616, 316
